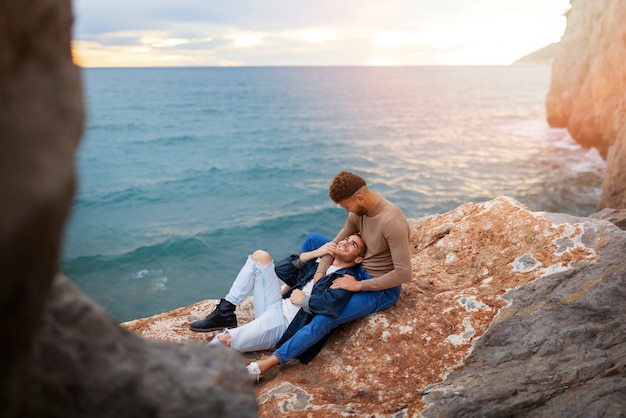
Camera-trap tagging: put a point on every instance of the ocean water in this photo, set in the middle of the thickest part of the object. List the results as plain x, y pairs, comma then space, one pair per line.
183, 172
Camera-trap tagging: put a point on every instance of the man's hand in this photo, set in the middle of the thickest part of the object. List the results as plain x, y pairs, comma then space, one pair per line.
296, 297
347, 282
326, 249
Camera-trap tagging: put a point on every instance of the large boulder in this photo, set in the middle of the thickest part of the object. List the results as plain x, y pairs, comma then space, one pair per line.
509, 313
86, 365
41, 120
588, 88
61, 355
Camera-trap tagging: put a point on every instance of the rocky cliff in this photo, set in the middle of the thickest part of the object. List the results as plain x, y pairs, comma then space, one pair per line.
61, 355
509, 313
588, 88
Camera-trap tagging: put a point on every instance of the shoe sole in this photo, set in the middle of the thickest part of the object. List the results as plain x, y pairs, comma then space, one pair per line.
209, 329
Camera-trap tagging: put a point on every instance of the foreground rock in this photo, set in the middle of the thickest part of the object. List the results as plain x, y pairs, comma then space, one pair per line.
509, 313
588, 88
41, 119
86, 365
61, 356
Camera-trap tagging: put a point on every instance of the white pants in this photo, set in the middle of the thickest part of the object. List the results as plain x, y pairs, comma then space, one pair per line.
269, 325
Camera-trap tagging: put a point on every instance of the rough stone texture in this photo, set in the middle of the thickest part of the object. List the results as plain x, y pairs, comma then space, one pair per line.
559, 349
509, 313
61, 356
616, 216
86, 365
41, 119
174, 325
588, 88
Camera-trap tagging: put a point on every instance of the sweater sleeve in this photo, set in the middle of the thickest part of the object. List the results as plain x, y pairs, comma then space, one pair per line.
397, 236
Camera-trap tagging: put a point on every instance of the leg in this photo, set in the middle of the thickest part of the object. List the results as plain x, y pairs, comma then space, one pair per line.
359, 305
259, 278
261, 334
267, 363
259, 368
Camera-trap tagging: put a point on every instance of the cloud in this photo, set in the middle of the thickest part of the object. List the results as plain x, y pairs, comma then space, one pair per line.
324, 32
393, 39
248, 40
317, 36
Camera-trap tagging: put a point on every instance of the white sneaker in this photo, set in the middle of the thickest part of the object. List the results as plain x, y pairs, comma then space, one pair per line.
253, 370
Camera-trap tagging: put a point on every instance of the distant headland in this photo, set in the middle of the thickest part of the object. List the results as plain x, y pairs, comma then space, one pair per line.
543, 56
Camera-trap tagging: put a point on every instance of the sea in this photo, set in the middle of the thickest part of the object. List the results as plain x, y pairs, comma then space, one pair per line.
184, 172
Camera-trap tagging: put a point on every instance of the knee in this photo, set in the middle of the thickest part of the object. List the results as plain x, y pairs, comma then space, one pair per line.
262, 257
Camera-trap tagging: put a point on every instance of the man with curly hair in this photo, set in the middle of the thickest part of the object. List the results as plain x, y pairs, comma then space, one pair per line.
385, 231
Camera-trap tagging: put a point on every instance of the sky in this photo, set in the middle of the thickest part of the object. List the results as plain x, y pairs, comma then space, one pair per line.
166, 33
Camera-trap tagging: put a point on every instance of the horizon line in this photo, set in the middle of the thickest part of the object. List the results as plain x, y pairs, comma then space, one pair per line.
318, 66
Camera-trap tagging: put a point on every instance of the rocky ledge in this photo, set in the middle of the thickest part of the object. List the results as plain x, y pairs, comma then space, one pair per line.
509, 313
587, 91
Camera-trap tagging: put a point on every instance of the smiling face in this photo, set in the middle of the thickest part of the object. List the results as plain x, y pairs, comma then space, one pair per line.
350, 249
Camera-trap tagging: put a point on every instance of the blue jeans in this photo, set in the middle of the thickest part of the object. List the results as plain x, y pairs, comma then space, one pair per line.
359, 305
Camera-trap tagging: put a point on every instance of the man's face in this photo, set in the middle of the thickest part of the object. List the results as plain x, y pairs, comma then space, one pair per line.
349, 248
353, 204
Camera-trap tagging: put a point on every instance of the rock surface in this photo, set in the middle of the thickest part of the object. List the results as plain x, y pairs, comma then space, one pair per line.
86, 365
509, 313
62, 356
588, 88
41, 119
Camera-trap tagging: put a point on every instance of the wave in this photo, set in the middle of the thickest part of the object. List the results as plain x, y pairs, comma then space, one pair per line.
173, 140
136, 188
276, 229
184, 269
213, 179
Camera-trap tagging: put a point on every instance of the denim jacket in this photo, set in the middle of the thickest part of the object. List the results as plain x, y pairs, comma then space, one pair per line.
323, 299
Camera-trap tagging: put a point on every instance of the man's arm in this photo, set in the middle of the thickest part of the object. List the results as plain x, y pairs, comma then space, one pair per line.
300, 262
326, 249
329, 301
397, 236
348, 229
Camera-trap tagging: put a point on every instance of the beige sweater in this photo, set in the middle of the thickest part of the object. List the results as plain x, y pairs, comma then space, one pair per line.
386, 233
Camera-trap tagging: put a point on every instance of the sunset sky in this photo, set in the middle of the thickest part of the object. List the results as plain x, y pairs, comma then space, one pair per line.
146, 33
